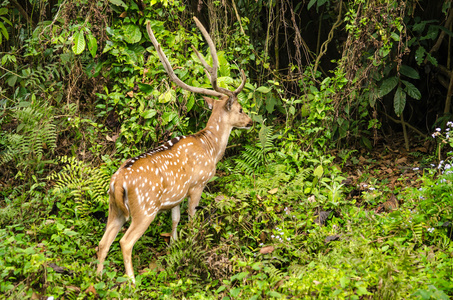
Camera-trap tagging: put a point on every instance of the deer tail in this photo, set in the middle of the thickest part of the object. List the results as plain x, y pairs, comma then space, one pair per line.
118, 196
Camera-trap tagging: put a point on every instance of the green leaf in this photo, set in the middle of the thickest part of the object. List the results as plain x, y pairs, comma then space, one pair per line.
111, 274
432, 59
366, 141
411, 90
11, 80
121, 279
399, 102
92, 44
70, 232
409, 72
264, 134
387, 86
4, 31
318, 171
395, 36
79, 42
168, 116
310, 4
166, 97
190, 103
235, 292
148, 114
274, 294
431, 34
146, 88
240, 276
220, 289
263, 89
344, 281
305, 110
132, 33
362, 291
118, 3
420, 55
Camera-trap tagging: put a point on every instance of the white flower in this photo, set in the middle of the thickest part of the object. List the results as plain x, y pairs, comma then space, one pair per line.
430, 230
438, 129
416, 169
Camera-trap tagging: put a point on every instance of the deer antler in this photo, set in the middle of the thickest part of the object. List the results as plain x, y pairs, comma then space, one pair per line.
211, 71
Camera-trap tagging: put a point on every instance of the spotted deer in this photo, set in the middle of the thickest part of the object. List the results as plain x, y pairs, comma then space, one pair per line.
162, 178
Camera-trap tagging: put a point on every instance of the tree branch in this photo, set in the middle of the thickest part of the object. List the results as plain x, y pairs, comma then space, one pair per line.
407, 124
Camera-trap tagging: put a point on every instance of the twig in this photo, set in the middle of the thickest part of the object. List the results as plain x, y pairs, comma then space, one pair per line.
449, 94
407, 124
323, 49
54, 20
406, 139
11, 72
237, 16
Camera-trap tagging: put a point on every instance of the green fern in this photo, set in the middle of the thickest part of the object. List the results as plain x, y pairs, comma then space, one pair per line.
275, 275
35, 134
297, 270
254, 158
84, 186
186, 255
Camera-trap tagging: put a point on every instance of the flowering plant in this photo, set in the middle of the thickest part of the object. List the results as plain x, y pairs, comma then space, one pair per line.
444, 138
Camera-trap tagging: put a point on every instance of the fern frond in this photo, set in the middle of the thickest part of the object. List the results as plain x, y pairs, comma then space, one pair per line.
254, 158
274, 274
83, 185
35, 135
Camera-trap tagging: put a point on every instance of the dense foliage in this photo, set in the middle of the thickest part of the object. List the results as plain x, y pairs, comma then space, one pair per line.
297, 208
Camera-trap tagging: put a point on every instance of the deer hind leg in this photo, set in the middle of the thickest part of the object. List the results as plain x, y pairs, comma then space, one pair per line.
175, 216
134, 232
115, 221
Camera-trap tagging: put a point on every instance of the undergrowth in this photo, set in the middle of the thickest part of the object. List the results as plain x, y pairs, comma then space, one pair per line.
244, 243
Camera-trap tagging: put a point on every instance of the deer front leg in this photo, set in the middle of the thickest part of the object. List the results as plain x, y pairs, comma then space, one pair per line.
175, 216
194, 199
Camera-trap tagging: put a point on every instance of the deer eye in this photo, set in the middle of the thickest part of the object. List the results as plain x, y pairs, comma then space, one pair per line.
240, 110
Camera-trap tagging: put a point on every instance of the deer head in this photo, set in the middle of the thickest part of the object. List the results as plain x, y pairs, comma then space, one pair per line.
162, 178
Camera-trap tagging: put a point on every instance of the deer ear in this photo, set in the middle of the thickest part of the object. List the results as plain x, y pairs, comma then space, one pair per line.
229, 103
209, 101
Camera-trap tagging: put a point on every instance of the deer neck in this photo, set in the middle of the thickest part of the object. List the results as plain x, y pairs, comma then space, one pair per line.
216, 136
